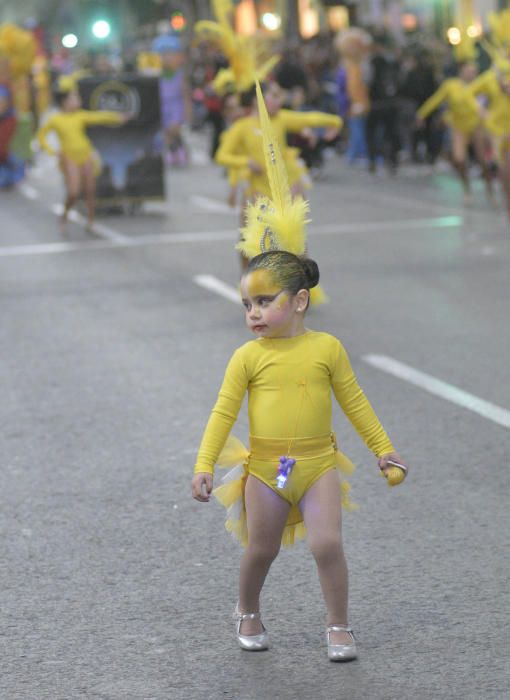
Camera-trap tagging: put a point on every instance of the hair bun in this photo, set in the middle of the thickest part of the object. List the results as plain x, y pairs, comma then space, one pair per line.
311, 272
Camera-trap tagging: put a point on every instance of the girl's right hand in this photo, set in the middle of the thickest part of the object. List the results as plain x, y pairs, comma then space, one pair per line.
201, 486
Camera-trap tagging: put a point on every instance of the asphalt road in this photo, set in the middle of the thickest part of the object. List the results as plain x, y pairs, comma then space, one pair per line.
114, 583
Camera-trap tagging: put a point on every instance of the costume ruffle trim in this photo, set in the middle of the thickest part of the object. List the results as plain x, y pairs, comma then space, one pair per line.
231, 493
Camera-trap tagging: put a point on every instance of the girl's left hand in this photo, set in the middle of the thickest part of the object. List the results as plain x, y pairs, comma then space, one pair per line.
394, 457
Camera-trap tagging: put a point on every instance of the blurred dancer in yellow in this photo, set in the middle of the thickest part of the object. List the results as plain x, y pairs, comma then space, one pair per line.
494, 85
241, 145
463, 115
79, 162
288, 484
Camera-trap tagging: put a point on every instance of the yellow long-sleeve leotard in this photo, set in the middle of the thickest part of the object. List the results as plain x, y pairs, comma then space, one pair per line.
463, 112
70, 128
289, 383
497, 120
242, 143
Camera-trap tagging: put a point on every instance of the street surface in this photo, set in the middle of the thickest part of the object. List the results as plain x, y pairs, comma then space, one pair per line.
115, 584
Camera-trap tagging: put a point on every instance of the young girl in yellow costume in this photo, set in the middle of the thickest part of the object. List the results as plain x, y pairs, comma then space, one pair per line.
494, 84
463, 115
79, 162
289, 479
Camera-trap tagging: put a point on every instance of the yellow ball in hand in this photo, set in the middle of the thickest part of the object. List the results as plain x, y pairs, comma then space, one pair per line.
395, 475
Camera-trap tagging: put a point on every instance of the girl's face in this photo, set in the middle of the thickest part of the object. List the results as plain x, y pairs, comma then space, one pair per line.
273, 98
231, 108
72, 101
468, 72
271, 312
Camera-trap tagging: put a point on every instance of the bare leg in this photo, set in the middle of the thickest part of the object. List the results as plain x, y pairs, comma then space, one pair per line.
505, 174
72, 179
266, 514
322, 513
459, 149
89, 180
478, 140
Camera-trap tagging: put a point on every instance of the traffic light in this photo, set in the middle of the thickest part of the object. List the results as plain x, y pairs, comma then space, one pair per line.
178, 22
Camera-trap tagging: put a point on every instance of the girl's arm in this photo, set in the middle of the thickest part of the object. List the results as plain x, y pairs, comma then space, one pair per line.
91, 118
484, 84
41, 137
228, 150
434, 101
223, 415
296, 121
356, 406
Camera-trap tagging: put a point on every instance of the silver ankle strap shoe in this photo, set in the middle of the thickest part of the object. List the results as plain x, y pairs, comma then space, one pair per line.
341, 652
250, 642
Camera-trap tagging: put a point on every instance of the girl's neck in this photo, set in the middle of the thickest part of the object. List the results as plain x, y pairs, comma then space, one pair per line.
294, 330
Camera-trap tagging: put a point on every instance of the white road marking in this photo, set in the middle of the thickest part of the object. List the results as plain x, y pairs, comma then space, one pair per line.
28, 191
362, 226
114, 239
126, 242
451, 393
219, 287
100, 229
213, 205
15, 251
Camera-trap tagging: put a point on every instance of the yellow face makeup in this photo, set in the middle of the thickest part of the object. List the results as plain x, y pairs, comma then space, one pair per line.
260, 283
281, 300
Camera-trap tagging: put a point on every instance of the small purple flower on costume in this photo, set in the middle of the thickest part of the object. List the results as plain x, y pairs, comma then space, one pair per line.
284, 469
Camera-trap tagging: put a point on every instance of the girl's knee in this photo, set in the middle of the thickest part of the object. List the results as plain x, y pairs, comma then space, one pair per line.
326, 547
72, 194
263, 551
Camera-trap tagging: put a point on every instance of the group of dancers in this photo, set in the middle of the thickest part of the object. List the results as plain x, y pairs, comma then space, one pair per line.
475, 107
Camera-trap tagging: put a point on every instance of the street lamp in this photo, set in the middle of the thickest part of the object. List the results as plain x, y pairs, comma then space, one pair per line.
69, 41
101, 29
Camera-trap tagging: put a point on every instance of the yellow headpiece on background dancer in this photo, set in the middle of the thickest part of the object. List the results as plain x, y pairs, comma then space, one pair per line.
500, 62
19, 47
499, 22
243, 53
69, 83
278, 223
465, 50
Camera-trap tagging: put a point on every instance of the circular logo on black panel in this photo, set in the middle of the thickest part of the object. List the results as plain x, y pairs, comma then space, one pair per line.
115, 96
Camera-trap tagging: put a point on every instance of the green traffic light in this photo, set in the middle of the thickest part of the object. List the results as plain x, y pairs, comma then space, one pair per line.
101, 29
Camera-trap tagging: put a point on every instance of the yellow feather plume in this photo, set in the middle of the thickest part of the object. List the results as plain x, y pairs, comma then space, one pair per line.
278, 223
242, 52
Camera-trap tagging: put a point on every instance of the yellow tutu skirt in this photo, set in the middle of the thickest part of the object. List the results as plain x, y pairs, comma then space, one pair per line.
230, 493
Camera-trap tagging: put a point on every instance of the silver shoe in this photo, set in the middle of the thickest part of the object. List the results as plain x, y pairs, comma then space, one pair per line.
341, 652
251, 642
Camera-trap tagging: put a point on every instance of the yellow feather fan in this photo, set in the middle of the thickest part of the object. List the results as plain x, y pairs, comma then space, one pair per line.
242, 52
278, 223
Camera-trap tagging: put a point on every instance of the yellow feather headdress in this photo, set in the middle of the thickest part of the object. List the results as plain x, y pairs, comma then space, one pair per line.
278, 223
499, 22
69, 83
465, 50
499, 45
243, 53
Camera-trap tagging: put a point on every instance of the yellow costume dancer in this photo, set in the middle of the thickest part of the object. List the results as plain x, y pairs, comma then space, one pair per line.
245, 55
494, 84
70, 127
463, 115
79, 162
463, 111
289, 381
241, 145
